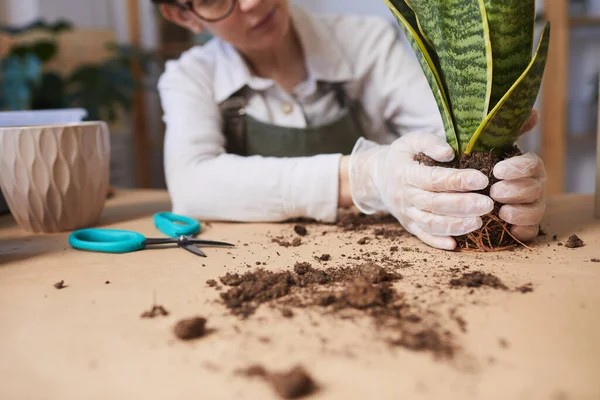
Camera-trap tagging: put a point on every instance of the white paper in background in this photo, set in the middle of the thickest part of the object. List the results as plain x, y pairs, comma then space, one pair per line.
85, 13
19, 12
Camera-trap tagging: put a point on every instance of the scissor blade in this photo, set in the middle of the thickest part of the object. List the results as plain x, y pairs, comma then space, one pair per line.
209, 243
193, 249
150, 242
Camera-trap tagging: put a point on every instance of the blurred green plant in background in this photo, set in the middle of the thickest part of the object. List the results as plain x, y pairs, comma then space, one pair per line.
100, 88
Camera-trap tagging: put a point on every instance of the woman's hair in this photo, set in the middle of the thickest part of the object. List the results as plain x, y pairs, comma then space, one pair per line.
171, 2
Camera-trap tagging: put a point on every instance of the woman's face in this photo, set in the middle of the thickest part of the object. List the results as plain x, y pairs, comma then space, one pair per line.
254, 24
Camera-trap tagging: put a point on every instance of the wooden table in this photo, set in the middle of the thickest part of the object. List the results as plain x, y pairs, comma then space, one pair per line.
87, 341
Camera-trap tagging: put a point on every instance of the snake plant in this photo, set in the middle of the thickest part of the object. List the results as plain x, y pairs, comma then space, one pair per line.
477, 56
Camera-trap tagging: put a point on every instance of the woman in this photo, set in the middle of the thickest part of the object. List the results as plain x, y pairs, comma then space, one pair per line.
287, 114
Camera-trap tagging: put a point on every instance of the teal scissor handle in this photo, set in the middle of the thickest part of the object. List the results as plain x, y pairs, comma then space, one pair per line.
174, 225
107, 240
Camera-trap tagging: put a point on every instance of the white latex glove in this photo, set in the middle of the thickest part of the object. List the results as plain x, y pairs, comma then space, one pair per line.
428, 201
522, 190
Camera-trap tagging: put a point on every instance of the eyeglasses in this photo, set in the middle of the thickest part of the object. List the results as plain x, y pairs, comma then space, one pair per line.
206, 10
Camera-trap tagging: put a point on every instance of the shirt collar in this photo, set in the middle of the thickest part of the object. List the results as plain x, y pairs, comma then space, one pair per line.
324, 58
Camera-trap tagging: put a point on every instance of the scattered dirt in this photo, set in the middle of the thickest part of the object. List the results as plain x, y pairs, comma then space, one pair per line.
284, 243
574, 242
365, 285
478, 279
495, 234
405, 248
287, 313
291, 384
325, 257
375, 274
361, 294
363, 289
261, 286
302, 268
525, 288
360, 221
252, 371
255, 288
364, 240
460, 321
60, 285
231, 279
156, 311
281, 241
191, 328
300, 230
390, 233
427, 339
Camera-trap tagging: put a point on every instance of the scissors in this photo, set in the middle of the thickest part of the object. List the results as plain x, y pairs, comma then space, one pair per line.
179, 229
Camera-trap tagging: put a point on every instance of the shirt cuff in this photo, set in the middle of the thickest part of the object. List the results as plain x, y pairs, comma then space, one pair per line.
313, 189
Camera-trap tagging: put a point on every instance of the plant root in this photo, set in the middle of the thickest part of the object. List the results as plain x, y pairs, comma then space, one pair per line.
494, 236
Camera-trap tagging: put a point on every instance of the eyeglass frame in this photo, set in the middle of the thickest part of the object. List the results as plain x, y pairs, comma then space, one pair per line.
188, 6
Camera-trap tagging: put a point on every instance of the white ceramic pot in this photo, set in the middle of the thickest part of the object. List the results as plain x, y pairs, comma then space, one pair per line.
55, 177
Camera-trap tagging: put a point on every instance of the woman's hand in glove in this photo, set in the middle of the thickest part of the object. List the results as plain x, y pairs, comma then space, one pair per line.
430, 202
521, 189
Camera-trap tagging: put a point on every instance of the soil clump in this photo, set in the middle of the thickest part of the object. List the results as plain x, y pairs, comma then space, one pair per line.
190, 328
300, 230
478, 279
366, 289
292, 384
574, 242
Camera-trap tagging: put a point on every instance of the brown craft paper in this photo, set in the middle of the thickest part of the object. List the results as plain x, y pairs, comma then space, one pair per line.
89, 341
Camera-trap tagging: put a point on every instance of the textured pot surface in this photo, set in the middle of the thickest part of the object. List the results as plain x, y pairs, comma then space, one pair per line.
55, 177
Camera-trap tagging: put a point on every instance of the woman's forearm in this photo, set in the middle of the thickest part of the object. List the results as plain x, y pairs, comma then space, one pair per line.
229, 187
344, 195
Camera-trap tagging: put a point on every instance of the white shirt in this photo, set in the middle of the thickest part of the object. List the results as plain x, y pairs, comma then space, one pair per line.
207, 183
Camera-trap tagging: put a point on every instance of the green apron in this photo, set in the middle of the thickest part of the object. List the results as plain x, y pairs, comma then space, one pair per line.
247, 136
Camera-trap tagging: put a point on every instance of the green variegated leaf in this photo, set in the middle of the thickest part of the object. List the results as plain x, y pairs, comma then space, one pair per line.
512, 24
502, 127
407, 20
459, 34
411, 18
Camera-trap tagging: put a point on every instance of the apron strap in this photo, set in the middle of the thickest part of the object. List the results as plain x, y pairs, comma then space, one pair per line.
233, 112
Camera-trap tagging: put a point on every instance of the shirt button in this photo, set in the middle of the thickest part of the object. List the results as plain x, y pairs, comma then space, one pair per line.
287, 108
